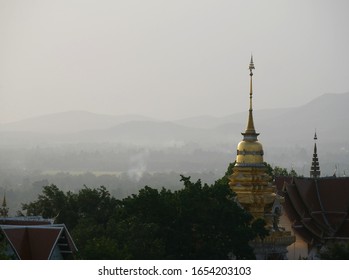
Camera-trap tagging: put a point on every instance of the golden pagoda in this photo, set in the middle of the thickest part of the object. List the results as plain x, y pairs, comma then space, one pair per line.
255, 192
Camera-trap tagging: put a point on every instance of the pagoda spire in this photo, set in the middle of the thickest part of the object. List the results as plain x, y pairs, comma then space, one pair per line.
255, 192
4, 209
250, 132
315, 167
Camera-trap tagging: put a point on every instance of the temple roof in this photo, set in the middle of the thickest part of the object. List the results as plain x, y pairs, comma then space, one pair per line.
36, 239
318, 208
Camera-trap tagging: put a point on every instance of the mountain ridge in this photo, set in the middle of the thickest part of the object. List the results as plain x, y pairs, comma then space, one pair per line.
279, 125
286, 135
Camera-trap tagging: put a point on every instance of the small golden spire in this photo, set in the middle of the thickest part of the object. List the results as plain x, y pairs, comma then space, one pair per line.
250, 125
251, 67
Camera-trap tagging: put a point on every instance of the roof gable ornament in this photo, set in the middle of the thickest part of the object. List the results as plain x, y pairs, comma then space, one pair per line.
315, 167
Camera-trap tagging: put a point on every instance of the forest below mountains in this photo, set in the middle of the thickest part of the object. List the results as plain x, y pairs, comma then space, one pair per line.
198, 221
23, 189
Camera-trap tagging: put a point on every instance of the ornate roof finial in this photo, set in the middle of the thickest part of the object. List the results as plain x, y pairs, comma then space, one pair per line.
251, 67
315, 167
250, 130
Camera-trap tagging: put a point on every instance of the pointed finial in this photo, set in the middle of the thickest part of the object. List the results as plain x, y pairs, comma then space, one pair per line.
250, 130
251, 67
315, 167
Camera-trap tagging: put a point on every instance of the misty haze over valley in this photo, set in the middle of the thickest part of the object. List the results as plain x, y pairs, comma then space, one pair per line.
125, 153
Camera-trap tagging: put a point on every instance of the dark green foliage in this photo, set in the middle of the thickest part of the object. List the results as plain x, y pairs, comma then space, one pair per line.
3, 246
258, 227
196, 222
50, 203
278, 171
335, 251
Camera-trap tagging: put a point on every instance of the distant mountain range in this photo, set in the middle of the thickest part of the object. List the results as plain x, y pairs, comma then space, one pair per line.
282, 130
69, 122
328, 114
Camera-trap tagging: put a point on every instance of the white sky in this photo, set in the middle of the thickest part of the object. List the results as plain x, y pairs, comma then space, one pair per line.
168, 59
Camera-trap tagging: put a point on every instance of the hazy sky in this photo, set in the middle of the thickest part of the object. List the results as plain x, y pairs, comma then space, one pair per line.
168, 59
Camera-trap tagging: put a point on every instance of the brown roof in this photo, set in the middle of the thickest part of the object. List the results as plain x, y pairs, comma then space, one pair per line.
26, 220
280, 182
37, 242
318, 208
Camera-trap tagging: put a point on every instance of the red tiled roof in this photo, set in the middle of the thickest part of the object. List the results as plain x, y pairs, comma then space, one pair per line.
37, 242
318, 207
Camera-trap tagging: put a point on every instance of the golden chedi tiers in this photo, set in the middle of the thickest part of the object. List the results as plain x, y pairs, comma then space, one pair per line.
249, 180
255, 192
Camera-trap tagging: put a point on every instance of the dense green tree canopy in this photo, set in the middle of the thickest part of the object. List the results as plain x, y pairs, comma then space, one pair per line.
335, 251
278, 171
196, 222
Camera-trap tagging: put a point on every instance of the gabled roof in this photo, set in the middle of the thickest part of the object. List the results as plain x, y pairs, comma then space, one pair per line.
37, 242
318, 207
